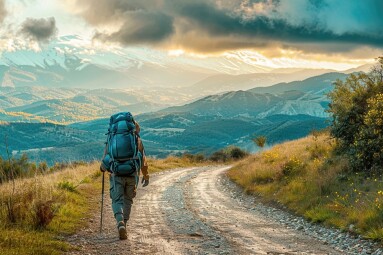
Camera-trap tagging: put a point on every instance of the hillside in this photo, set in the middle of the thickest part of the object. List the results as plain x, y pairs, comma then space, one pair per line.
319, 85
226, 82
281, 112
179, 132
49, 142
310, 180
64, 106
256, 105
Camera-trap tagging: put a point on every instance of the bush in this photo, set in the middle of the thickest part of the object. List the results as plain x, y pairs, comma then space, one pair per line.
237, 153
292, 167
260, 141
66, 185
14, 168
219, 156
43, 213
357, 122
194, 157
229, 153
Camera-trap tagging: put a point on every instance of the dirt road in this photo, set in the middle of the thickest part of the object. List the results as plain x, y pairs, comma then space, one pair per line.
191, 211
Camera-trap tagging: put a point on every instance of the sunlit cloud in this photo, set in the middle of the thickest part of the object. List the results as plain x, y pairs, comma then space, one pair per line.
232, 25
176, 53
270, 33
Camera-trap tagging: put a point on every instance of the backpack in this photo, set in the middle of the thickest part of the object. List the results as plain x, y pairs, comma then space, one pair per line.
122, 156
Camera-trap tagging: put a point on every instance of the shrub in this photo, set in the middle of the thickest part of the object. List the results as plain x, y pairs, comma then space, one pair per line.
66, 185
43, 167
43, 214
194, 157
231, 152
219, 156
357, 122
260, 141
238, 153
292, 167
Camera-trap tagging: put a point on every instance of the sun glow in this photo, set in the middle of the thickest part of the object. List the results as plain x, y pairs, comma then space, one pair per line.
176, 53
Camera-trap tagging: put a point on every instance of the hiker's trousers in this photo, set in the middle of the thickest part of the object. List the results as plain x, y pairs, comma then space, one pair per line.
122, 192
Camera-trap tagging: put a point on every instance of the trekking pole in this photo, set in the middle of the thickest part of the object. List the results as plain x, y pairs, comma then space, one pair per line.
102, 200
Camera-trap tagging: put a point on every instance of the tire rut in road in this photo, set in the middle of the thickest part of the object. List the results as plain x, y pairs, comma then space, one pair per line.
247, 231
196, 236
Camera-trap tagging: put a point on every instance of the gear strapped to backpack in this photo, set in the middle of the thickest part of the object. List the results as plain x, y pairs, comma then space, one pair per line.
122, 156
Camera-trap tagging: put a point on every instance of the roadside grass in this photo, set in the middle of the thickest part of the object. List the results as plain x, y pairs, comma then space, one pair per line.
172, 162
310, 180
37, 213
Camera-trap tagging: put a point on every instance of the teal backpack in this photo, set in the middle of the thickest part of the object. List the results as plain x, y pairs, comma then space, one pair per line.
122, 155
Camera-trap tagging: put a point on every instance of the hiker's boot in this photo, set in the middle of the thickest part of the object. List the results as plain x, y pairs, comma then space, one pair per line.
122, 231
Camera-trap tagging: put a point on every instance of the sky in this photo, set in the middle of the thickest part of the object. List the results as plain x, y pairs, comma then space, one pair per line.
336, 34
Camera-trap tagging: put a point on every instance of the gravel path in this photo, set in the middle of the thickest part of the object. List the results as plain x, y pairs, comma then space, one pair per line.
199, 211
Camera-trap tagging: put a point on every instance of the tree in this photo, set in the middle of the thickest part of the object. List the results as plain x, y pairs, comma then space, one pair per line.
355, 107
260, 141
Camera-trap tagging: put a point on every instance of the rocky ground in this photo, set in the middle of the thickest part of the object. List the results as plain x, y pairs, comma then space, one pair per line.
199, 211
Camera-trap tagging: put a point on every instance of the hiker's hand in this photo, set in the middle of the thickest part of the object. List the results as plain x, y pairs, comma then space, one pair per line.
144, 182
102, 169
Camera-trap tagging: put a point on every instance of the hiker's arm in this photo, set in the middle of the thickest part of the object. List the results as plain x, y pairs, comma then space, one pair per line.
144, 163
102, 166
144, 168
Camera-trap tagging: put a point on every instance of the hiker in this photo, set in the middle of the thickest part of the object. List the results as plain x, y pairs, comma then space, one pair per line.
124, 157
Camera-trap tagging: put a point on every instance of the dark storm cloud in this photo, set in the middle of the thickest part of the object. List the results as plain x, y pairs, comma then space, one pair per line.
208, 25
141, 20
141, 27
218, 23
109, 11
3, 10
40, 30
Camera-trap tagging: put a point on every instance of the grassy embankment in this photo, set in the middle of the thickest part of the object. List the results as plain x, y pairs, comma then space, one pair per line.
41, 211
310, 180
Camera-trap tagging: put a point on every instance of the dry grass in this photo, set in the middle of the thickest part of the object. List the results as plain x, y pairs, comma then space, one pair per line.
305, 176
36, 210
171, 162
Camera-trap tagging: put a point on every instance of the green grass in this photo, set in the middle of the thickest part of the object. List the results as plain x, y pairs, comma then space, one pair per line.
306, 177
18, 241
66, 185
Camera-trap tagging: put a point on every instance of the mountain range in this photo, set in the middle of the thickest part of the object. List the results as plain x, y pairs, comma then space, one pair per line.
70, 62
63, 106
55, 102
280, 112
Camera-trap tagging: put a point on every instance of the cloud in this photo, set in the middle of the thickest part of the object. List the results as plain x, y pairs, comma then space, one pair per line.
137, 21
3, 11
40, 30
109, 11
265, 28
141, 27
219, 25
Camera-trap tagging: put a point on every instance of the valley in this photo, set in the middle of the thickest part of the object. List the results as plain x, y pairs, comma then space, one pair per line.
55, 104
72, 123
